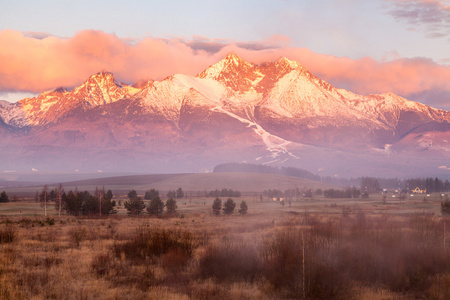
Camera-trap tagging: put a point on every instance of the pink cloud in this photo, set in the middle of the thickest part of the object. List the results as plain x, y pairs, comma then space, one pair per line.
35, 65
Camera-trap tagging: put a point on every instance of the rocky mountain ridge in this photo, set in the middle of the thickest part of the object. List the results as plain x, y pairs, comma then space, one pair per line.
276, 112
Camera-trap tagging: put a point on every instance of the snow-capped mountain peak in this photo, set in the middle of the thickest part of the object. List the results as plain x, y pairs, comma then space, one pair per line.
98, 89
231, 63
232, 104
234, 73
285, 62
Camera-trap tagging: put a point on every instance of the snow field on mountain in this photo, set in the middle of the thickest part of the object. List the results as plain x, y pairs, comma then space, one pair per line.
274, 144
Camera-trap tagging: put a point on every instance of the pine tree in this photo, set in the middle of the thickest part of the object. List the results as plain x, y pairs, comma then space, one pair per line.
72, 203
217, 206
171, 194
243, 208
132, 194
135, 205
108, 205
171, 206
180, 193
150, 194
155, 207
228, 207
4, 197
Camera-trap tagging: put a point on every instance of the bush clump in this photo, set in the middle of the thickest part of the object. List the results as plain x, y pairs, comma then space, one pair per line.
8, 234
149, 242
230, 261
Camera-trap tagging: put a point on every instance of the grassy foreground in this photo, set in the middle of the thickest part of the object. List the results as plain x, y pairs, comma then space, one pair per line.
312, 249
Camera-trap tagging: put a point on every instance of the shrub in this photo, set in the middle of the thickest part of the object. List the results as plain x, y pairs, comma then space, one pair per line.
101, 264
174, 259
295, 265
153, 242
122, 272
230, 261
77, 234
282, 257
7, 234
445, 207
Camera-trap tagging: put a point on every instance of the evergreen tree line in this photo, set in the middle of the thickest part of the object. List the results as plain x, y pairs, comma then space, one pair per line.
135, 206
152, 193
77, 203
224, 193
273, 193
367, 184
350, 192
228, 207
433, 185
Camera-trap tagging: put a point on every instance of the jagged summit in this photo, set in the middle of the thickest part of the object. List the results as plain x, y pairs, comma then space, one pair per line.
104, 78
283, 61
235, 59
232, 63
233, 105
60, 90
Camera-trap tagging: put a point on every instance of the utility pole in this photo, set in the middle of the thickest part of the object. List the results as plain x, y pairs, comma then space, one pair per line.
303, 264
101, 195
45, 200
59, 199
444, 233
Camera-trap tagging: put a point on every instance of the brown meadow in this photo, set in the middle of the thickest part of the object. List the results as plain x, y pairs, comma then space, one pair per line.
313, 249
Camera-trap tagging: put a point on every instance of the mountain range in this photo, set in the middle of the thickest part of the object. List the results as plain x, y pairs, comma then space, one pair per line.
275, 113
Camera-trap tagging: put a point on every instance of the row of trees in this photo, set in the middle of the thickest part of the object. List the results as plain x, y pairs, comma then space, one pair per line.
179, 193
370, 185
152, 193
435, 185
224, 193
135, 206
367, 184
228, 207
350, 192
78, 203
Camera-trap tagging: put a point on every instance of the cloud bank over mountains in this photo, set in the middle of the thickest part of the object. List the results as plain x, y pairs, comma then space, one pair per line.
35, 62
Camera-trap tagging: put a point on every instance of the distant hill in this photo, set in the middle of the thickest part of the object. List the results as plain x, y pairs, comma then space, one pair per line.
263, 169
243, 182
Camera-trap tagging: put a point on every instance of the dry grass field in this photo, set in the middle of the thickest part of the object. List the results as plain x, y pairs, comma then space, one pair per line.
311, 249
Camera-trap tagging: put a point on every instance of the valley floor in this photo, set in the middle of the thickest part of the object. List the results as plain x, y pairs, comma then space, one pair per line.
313, 249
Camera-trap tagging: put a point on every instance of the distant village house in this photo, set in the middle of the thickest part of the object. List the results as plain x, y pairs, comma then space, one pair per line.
417, 190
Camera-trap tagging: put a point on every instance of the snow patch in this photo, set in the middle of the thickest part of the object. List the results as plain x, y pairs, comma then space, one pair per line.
274, 144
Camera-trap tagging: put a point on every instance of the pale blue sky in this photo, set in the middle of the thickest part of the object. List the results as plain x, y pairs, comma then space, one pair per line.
335, 27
